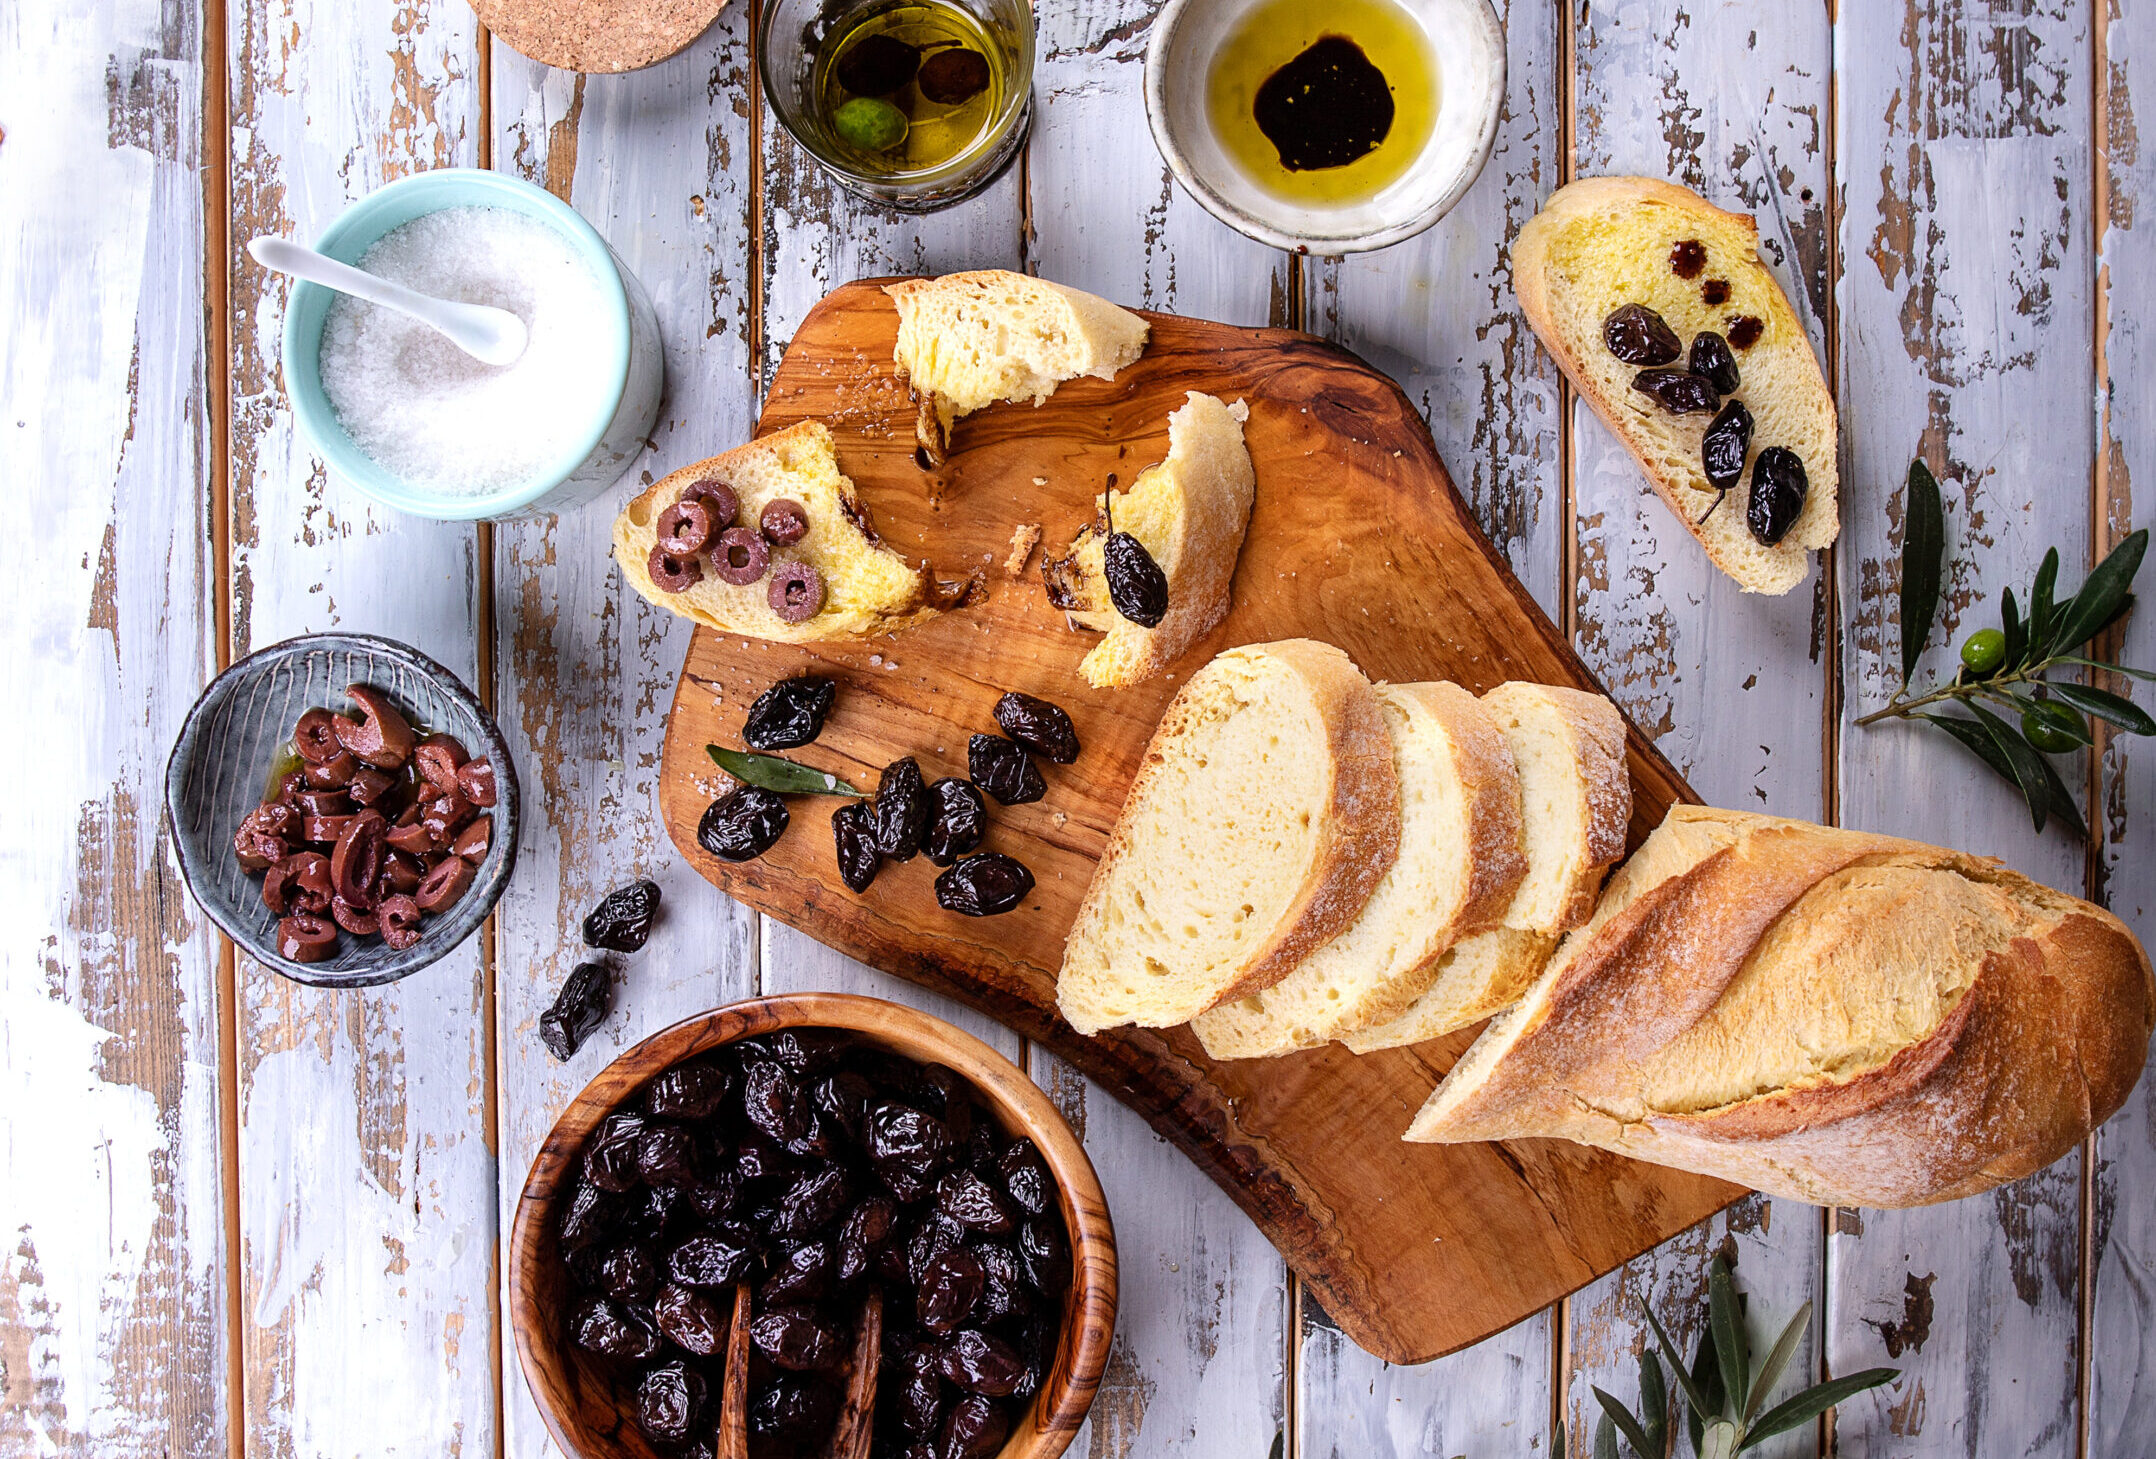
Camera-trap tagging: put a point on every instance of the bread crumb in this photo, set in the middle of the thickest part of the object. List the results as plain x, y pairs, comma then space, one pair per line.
1024, 539
1040, 481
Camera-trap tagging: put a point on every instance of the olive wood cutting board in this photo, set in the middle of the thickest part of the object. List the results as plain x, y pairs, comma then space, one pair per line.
1358, 538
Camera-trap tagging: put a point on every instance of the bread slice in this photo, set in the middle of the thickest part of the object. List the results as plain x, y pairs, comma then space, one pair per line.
1576, 800
1263, 817
868, 588
1189, 512
1824, 1015
1460, 864
1605, 242
971, 339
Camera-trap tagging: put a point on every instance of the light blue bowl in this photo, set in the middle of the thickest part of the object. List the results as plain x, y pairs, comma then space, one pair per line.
629, 370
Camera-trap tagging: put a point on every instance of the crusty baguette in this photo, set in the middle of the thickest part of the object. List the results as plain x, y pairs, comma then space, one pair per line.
1575, 801
1825, 1015
1264, 814
1604, 242
1460, 864
868, 588
1189, 512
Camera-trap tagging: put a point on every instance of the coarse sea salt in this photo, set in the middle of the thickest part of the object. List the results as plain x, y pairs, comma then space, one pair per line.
431, 414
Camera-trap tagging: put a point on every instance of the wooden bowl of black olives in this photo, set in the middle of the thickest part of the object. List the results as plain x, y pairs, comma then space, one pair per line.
806, 1226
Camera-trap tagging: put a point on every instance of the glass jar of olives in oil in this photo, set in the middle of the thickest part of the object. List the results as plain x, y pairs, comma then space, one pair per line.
915, 103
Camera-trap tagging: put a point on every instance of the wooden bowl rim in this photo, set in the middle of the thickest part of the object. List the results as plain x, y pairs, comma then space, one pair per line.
1048, 1425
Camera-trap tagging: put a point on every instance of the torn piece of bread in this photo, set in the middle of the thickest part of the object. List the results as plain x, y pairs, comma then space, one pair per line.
1820, 1014
1576, 799
1460, 863
1189, 512
868, 588
971, 339
1605, 242
1265, 813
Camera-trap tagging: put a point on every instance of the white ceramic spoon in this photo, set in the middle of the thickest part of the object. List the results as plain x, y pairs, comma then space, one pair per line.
489, 335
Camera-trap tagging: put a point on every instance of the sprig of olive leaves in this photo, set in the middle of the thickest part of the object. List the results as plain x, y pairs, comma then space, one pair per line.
1723, 1392
2006, 666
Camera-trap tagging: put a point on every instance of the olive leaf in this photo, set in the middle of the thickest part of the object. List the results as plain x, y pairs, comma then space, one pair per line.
2106, 706
777, 773
1615, 1413
2040, 605
2017, 633
1813, 1402
2026, 763
2103, 594
1923, 555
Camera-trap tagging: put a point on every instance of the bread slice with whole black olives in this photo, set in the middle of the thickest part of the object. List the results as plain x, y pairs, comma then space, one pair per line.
1621, 277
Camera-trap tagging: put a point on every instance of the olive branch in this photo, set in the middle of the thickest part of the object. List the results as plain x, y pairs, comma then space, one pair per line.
2006, 667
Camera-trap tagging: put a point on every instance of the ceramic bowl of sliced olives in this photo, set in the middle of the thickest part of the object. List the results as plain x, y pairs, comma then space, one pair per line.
808, 1225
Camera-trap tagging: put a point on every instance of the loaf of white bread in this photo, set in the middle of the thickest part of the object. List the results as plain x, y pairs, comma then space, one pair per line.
1825, 1015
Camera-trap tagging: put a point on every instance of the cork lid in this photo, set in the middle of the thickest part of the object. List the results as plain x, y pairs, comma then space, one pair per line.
597, 35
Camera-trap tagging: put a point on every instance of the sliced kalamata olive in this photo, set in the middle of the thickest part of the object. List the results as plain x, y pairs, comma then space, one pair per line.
1639, 336
315, 737
439, 757
323, 830
475, 782
1680, 392
796, 592
400, 918
305, 937
475, 840
445, 815
674, 574
719, 497
307, 885
358, 922
335, 773
784, 522
323, 803
740, 556
383, 737
277, 882
685, 527
444, 884
1779, 487
357, 860
402, 872
369, 785
255, 845
1711, 360
413, 840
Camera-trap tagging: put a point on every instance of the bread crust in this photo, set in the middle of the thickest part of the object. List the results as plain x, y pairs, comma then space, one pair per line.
1531, 273
2044, 1044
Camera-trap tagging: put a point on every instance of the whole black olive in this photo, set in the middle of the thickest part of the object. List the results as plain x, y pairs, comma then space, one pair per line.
1004, 769
789, 714
709, 1260
1136, 585
970, 1201
950, 77
582, 1005
690, 1091
958, 818
743, 824
1639, 336
690, 1321
610, 1155
901, 810
1026, 1178
979, 1363
1038, 725
1722, 450
877, 65
853, 830
983, 885
606, 1327
1778, 490
792, 1338
622, 920
1679, 392
974, 1429
950, 1285
1711, 359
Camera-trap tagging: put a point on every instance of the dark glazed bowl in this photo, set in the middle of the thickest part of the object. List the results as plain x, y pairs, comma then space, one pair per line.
572, 1388
220, 766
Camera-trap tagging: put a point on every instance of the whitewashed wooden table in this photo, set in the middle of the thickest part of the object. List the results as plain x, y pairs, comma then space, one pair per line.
240, 1215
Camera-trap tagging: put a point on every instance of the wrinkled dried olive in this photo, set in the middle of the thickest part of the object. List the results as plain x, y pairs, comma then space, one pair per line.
1679, 392
979, 1363
1639, 336
967, 1199
1688, 258
796, 593
1026, 1178
791, 1410
958, 819
974, 1429
1004, 769
790, 713
666, 1155
1136, 586
901, 1135
622, 920
983, 885
606, 1327
802, 1274
742, 824
1723, 449
949, 1287
581, 1006
1711, 360
901, 810
877, 65
953, 76
740, 556
691, 1091
668, 1401
917, 1398
690, 1321
793, 1339
610, 1153
628, 1273
1778, 491
853, 830
812, 1202
1038, 725
1045, 1256
783, 522
709, 1260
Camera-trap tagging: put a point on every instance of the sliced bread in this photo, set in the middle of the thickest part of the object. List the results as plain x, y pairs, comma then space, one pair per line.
1606, 242
1460, 864
969, 340
1575, 801
867, 588
1262, 818
1189, 512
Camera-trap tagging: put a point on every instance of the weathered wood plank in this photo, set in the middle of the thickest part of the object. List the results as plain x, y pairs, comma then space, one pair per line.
658, 160
2121, 1275
1199, 1365
368, 1188
112, 1311
1730, 98
1438, 314
1964, 169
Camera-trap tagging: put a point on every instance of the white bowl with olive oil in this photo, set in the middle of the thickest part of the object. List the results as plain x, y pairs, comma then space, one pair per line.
1326, 126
